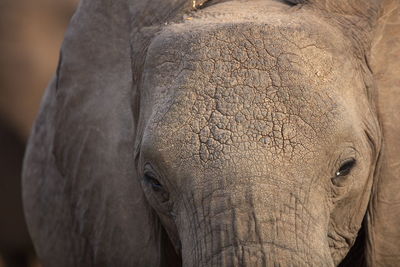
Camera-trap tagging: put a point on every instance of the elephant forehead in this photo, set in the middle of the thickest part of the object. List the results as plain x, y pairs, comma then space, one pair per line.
242, 89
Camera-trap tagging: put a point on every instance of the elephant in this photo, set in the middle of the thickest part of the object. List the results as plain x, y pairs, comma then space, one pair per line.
220, 133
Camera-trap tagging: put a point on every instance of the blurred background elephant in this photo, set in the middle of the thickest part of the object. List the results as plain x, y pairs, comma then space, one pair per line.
31, 35
220, 133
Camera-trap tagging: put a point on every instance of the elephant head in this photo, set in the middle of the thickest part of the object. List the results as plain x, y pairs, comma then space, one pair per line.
220, 133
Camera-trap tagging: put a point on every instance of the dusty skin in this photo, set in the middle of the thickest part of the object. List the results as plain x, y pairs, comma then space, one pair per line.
220, 133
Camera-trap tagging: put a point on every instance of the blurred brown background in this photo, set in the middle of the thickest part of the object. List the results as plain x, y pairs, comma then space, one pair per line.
31, 33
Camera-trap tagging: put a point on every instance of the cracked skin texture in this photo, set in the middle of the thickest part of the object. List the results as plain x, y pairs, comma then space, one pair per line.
258, 102
244, 92
273, 90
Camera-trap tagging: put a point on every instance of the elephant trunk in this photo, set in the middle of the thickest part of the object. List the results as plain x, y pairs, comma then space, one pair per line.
247, 229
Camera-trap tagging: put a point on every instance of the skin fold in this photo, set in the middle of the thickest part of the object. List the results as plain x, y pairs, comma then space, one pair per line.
218, 133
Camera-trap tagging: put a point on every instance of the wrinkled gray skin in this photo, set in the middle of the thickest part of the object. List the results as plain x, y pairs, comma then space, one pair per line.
211, 134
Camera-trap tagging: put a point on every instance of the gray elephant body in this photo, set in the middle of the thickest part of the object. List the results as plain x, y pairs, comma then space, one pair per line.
219, 133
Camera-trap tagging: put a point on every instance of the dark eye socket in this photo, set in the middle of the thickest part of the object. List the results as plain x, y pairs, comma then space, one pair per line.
153, 182
346, 168
159, 194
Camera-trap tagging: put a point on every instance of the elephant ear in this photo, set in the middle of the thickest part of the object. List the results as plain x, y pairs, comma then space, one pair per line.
384, 211
83, 201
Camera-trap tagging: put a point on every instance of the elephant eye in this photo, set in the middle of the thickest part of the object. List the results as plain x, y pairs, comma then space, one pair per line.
153, 182
340, 177
346, 168
160, 194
